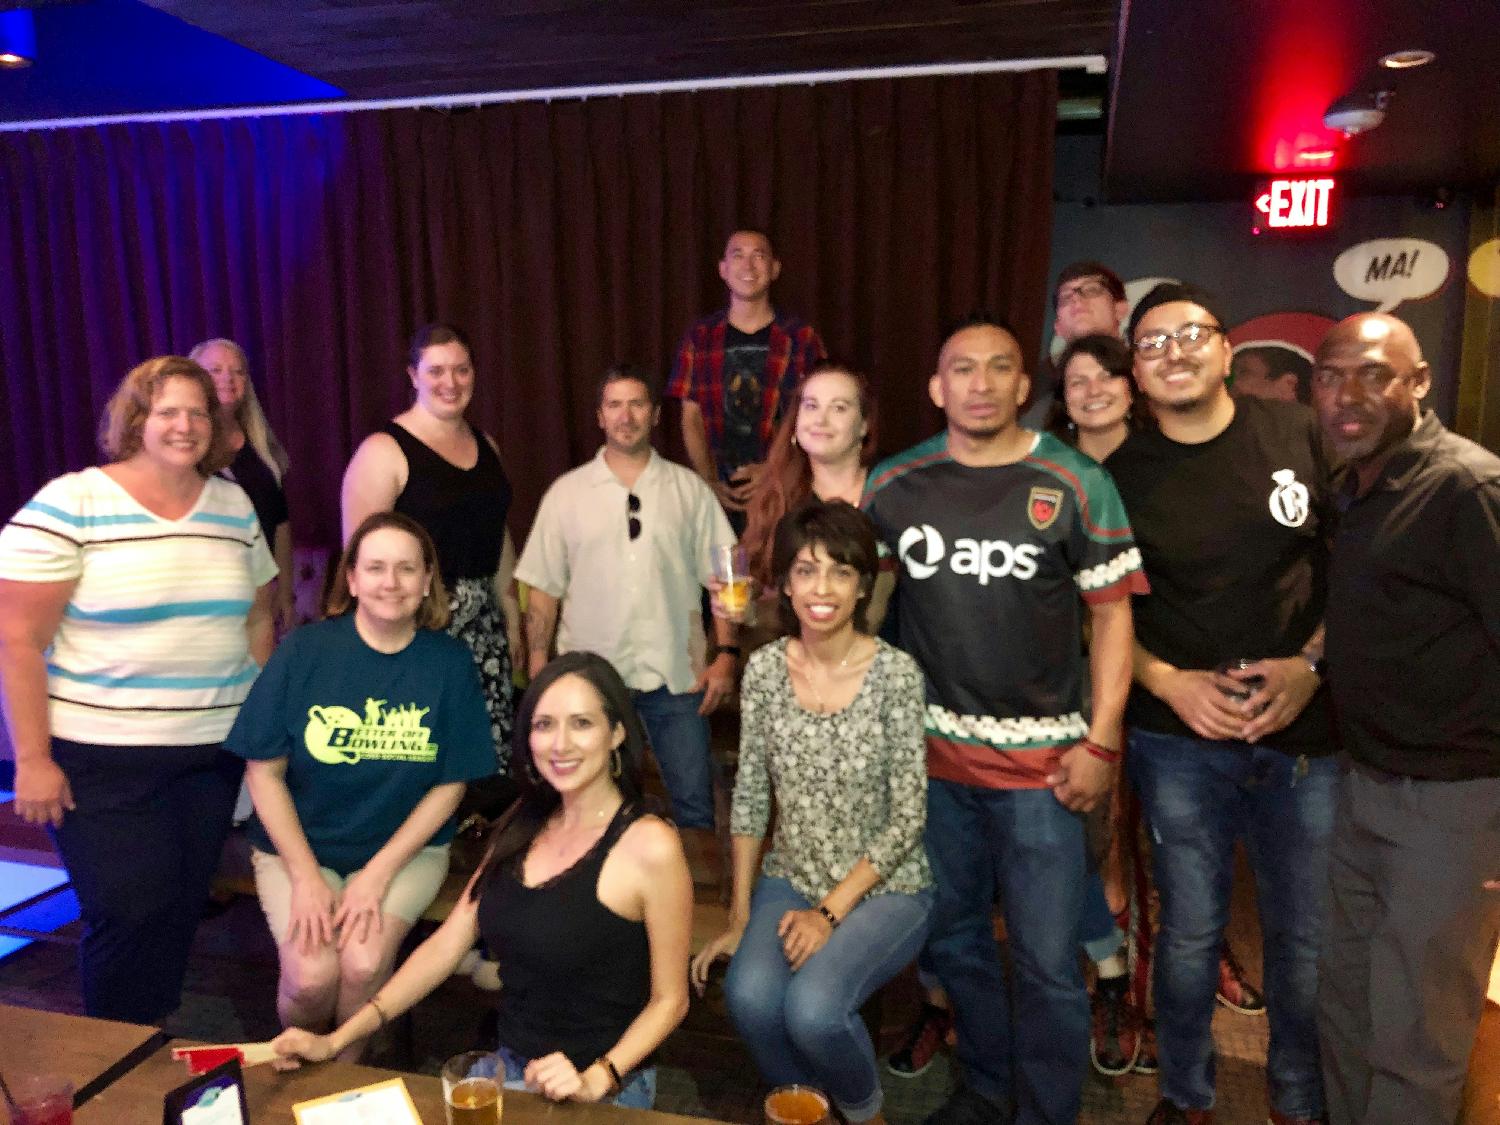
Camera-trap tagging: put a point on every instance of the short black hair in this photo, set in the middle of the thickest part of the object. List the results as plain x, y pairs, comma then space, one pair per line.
1109, 352
844, 532
761, 231
618, 373
1280, 360
1165, 294
431, 335
977, 318
1075, 271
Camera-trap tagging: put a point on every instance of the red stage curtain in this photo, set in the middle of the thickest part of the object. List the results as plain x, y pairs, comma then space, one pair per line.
561, 235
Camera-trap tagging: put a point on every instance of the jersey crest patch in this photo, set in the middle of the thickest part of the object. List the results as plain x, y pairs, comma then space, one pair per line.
1043, 505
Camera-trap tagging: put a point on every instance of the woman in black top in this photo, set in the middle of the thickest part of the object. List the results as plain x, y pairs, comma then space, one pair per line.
259, 462
584, 896
430, 464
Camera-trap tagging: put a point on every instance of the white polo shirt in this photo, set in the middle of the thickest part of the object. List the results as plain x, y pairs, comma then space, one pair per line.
634, 602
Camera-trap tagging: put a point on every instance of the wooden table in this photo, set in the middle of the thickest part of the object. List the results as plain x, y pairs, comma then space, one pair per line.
137, 1097
81, 1049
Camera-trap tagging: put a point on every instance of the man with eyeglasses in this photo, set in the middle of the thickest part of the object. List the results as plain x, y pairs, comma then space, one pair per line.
1230, 735
621, 545
1414, 653
1090, 301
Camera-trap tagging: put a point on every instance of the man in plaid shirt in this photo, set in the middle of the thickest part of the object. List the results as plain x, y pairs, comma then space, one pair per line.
735, 368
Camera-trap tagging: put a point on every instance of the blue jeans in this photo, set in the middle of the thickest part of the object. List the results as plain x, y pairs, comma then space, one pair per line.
805, 1026
1023, 1042
1199, 797
679, 739
1098, 932
638, 1092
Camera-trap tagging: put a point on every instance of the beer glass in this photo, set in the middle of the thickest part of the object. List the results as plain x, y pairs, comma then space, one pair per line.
471, 1089
796, 1105
729, 567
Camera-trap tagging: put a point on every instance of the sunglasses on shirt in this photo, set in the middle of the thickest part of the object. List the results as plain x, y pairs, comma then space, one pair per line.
633, 519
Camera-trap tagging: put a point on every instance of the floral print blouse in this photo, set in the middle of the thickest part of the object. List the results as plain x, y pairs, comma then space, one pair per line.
848, 785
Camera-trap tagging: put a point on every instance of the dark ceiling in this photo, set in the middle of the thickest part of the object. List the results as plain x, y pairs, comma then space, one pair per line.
416, 48
1210, 95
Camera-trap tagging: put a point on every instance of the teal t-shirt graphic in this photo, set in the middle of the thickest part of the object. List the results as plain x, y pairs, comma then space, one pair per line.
366, 734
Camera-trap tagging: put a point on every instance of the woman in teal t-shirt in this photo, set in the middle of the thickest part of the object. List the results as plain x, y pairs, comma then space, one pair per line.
359, 735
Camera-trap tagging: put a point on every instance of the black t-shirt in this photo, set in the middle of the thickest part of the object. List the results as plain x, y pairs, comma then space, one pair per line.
1233, 533
253, 475
745, 355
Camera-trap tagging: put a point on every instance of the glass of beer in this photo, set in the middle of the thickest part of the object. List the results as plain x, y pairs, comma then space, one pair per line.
796, 1105
471, 1089
729, 568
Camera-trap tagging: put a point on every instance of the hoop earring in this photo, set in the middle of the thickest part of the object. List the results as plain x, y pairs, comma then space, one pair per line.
616, 764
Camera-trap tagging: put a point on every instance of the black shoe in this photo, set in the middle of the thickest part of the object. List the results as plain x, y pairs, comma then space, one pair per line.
1169, 1113
923, 1042
967, 1107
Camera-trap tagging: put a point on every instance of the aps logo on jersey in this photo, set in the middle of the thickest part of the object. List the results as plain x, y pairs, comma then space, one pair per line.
922, 550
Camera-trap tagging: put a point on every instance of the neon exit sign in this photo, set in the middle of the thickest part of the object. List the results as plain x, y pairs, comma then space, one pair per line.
1295, 204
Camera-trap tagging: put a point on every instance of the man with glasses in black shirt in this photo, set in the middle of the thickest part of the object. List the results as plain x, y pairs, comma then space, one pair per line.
621, 545
1230, 733
1414, 659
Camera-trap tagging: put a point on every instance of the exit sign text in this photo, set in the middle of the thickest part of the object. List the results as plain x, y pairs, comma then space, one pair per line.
1295, 204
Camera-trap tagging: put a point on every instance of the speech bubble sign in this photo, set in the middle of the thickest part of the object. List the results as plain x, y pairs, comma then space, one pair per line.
1484, 268
1391, 270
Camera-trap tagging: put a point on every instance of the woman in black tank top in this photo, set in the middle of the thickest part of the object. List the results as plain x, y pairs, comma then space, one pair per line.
584, 897
430, 464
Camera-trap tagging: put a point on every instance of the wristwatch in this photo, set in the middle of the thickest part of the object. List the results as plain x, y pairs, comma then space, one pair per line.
1317, 662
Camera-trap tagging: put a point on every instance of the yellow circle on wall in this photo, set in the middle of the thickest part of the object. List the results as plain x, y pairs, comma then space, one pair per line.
1484, 268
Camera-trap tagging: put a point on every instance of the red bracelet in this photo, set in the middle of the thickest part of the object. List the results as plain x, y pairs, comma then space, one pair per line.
1103, 753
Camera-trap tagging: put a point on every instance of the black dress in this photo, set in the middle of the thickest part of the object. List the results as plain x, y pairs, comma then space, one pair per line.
464, 511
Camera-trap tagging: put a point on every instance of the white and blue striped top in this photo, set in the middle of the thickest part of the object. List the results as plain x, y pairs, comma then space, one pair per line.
152, 647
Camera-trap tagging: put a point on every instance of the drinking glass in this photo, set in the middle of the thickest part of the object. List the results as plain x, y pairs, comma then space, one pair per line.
796, 1105
471, 1089
730, 569
43, 1099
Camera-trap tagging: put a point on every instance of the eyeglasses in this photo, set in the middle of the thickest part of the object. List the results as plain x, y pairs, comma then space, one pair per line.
1190, 338
1085, 291
632, 520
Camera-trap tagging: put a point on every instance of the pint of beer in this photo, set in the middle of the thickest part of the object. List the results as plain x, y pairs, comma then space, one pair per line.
796, 1105
729, 567
471, 1089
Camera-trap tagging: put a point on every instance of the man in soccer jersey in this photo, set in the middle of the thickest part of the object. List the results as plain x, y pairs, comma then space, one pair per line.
1001, 538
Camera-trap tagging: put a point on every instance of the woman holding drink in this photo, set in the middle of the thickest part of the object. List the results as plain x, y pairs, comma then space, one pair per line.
584, 897
360, 736
831, 728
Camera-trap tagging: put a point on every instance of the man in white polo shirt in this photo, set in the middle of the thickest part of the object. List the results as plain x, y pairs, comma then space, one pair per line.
621, 545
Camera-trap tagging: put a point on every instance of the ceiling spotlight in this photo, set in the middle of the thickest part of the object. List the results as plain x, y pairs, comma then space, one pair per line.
1405, 60
17, 39
1358, 112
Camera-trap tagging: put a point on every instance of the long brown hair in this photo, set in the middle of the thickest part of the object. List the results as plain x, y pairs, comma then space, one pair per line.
786, 480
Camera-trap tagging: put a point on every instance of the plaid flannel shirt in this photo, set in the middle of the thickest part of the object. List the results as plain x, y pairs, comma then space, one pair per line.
698, 371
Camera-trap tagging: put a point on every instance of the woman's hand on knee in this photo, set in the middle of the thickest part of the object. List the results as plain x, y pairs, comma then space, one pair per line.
358, 917
312, 910
725, 945
802, 933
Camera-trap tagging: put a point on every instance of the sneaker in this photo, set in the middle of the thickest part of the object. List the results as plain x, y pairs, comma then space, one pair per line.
1235, 992
1115, 1037
922, 1044
1145, 1059
1169, 1113
1279, 1118
967, 1107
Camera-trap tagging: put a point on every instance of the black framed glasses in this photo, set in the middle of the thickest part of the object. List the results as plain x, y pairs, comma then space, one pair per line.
632, 515
1190, 338
1083, 291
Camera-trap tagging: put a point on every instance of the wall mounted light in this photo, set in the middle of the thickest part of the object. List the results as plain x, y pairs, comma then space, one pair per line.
17, 39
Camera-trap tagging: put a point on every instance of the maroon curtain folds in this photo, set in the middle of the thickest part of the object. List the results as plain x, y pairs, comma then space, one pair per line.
561, 235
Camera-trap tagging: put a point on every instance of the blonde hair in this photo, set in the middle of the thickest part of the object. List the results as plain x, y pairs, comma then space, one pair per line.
125, 413
433, 613
251, 418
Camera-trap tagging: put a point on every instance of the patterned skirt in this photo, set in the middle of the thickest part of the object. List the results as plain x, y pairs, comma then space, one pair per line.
479, 622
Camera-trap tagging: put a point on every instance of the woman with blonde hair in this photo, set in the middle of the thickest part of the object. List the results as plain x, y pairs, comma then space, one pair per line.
258, 462
134, 610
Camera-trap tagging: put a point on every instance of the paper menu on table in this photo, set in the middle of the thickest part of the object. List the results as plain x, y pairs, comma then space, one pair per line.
384, 1103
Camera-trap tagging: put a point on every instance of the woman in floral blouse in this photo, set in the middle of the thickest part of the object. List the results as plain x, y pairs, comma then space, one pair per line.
831, 726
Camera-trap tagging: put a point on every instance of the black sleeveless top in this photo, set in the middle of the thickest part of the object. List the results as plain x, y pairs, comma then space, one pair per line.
267, 497
463, 510
576, 974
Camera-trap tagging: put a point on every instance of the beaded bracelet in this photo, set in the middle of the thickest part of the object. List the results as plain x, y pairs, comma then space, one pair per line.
833, 919
1103, 753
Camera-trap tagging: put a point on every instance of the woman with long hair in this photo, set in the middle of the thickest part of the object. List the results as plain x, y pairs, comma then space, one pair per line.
584, 896
258, 462
359, 736
429, 463
822, 449
135, 609
831, 731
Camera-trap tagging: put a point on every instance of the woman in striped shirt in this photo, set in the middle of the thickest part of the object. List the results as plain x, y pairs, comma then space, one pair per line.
134, 614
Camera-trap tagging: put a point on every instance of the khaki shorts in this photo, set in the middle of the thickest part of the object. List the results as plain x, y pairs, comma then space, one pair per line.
410, 893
